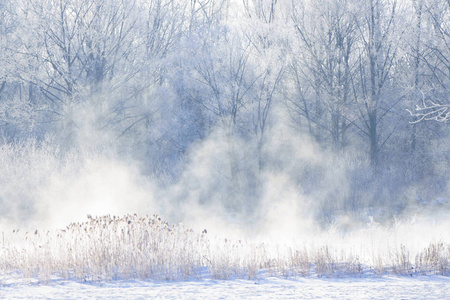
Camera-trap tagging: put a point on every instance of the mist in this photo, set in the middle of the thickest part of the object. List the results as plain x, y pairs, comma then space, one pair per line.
302, 194
279, 124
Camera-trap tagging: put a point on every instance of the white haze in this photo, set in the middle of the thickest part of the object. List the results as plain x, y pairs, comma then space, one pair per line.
298, 195
44, 188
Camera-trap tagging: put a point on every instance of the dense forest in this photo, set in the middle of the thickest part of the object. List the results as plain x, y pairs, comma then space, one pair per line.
328, 106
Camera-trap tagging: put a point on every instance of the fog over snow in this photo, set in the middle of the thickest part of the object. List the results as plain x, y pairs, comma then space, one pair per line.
171, 144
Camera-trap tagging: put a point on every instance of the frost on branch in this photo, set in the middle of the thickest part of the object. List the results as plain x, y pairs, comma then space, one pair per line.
431, 111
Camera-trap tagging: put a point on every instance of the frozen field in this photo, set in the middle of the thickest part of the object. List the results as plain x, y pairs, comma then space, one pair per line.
135, 257
426, 287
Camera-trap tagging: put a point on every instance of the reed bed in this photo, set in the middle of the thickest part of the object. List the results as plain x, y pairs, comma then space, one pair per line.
111, 248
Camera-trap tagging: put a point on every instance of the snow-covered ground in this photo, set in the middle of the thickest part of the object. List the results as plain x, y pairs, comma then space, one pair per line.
425, 287
108, 257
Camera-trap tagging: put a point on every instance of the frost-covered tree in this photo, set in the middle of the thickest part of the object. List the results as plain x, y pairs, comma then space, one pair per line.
69, 52
324, 66
379, 33
432, 54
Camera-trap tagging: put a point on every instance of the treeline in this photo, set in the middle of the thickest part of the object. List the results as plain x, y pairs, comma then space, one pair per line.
239, 88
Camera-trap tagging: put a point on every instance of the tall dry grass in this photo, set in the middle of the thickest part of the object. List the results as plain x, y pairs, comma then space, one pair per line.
129, 247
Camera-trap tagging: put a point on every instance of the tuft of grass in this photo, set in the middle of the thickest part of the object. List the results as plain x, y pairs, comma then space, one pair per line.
433, 260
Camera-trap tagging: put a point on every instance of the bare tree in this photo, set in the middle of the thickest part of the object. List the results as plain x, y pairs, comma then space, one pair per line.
434, 55
76, 48
379, 40
327, 34
266, 32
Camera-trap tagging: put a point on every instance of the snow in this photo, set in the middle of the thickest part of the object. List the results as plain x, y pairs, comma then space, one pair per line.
424, 287
330, 265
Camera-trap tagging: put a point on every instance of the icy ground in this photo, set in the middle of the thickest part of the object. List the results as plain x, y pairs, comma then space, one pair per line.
426, 287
